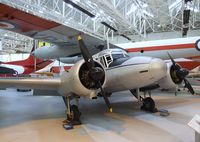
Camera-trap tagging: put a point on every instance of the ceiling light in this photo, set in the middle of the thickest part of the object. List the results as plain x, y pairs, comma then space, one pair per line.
132, 9
175, 4
148, 13
41, 11
145, 5
70, 6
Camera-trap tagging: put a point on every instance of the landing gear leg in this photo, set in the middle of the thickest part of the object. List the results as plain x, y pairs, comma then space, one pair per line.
148, 103
72, 112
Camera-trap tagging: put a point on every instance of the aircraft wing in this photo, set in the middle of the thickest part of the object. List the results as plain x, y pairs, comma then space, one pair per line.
30, 83
30, 25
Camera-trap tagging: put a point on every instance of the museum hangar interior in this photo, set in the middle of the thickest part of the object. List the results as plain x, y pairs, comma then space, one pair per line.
100, 70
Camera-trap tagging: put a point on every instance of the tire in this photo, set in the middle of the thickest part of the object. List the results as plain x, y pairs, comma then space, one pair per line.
148, 104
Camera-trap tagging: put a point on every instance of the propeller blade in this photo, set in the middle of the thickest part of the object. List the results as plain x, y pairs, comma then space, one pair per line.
105, 98
182, 73
174, 63
188, 85
85, 53
95, 73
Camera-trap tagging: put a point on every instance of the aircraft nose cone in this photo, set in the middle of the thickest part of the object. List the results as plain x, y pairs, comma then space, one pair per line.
157, 68
37, 52
33, 53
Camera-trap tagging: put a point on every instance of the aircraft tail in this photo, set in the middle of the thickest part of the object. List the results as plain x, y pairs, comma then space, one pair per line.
31, 61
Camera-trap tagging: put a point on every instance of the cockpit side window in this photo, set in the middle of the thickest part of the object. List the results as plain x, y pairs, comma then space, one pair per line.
108, 58
117, 56
102, 61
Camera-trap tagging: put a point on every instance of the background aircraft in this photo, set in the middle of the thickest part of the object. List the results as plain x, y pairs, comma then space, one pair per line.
179, 48
23, 67
66, 45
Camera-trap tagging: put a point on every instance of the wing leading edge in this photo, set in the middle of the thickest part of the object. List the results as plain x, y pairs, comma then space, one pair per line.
31, 83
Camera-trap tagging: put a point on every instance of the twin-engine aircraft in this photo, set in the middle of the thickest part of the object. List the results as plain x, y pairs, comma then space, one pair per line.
101, 71
108, 71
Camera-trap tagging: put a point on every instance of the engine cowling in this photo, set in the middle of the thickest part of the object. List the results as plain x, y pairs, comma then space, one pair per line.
171, 80
79, 82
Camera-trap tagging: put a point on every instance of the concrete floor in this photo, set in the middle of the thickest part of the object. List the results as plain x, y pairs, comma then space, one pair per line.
25, 118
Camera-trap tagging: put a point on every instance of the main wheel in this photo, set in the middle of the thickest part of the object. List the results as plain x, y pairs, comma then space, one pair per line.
148, 105
75, 115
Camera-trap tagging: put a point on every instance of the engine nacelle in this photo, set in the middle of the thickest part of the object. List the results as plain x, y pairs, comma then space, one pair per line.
77, 81
171, 80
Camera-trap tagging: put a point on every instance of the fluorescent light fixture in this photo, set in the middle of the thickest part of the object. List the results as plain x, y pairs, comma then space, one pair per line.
41, 11
66, 22
57, 12
132, 9
76, 1
101, 11
193, 9
148, 13
145, 5
175, 4
70, 6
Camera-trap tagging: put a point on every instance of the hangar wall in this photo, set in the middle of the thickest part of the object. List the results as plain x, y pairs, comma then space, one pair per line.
156, 36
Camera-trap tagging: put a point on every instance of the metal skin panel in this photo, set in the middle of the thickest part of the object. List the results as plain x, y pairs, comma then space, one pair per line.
55, 51
33, 83
136, 72
166, 82
70, 60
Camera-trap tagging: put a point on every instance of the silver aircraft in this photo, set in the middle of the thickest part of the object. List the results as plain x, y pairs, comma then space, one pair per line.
108, 71
105, 72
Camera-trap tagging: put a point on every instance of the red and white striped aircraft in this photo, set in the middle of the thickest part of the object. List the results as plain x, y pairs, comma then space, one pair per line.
22, 67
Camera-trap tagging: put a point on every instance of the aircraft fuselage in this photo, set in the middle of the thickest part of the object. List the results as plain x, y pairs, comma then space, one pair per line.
136, 72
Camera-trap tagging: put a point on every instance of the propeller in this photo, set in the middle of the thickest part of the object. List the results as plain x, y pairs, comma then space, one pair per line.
181, 73
95, 73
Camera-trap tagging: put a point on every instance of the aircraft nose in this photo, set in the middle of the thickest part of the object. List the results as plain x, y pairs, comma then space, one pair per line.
33, 53
36, 52
157, 68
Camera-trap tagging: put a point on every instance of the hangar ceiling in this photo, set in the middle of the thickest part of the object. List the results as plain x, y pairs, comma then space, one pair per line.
127, 17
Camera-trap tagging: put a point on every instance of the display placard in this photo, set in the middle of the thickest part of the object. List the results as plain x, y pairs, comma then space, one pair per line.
195, 123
